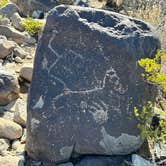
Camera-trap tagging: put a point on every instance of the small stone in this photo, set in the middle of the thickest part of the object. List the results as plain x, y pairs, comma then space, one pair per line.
4, 21
18, 51
17, 36
17, 22
9, 129
18, 60
9, 88
9, 9
11, 161
160, 150
139, 161
20, 115
2, 37
15, 144
39, 14
29, 57
66, 164
6, 48
23, 138
26, 72
4, 145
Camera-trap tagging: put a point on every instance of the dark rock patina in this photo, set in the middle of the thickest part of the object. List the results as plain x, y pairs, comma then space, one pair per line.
86, 82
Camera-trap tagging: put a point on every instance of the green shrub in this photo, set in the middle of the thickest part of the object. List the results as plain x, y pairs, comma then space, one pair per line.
3, 3
153, 75
32, 26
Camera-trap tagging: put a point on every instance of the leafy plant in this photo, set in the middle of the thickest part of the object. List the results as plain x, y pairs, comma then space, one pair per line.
32, 26
3, 3
153, 75
152, 68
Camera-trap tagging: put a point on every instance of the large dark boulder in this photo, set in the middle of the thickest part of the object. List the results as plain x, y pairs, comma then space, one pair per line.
86, 82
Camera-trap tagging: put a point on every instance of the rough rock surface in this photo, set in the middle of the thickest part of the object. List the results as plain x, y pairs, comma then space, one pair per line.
104, 161
9, 129
86, 82
4, 145
26, 72
15, 35
9, 88
9, 9
6, 48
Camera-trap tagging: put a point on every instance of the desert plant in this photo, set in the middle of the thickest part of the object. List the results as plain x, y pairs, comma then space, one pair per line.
3, 3
32, 26
145, 115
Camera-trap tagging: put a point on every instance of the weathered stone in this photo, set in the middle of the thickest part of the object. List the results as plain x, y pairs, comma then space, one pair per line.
26, 72
20, 115
9, 9
160, 150
104, 161
5, 21
11, 161
139, 161
17, 22
9, 129
6, 48
66, 164
23, 138
4, 145
18, 37
18, 51
18, 59
9, 88
86, 82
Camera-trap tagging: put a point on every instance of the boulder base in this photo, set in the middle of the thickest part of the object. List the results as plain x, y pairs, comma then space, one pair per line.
86, 83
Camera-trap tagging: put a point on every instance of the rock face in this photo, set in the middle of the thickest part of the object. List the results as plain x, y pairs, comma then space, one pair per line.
86, 83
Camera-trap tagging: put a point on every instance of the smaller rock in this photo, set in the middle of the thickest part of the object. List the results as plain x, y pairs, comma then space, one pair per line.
20, 115
18, 60
160, 150
66, 164
17, 22
4, 145
139, 161
6, 48
23, 138
39, 14
2, 37
26, 72
15, 144
18, 51
9, 9
9, 129
9, 88
11, 161
5, 21
17, 36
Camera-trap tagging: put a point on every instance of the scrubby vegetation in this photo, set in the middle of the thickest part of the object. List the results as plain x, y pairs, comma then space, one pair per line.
32, 26
3, 3
153, 75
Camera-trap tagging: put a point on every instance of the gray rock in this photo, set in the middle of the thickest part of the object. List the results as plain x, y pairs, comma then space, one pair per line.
15, 35
9, 88
139, 161
26, 72
5, 21
66, 164
18, 59
38, 14
4, 145
17, 22
104, 161
160, 150
18, 51
6, 48
9, 9
9, 129
20, 114
86, 83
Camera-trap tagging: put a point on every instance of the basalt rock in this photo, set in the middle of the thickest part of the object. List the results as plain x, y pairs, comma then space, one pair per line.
86, 82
